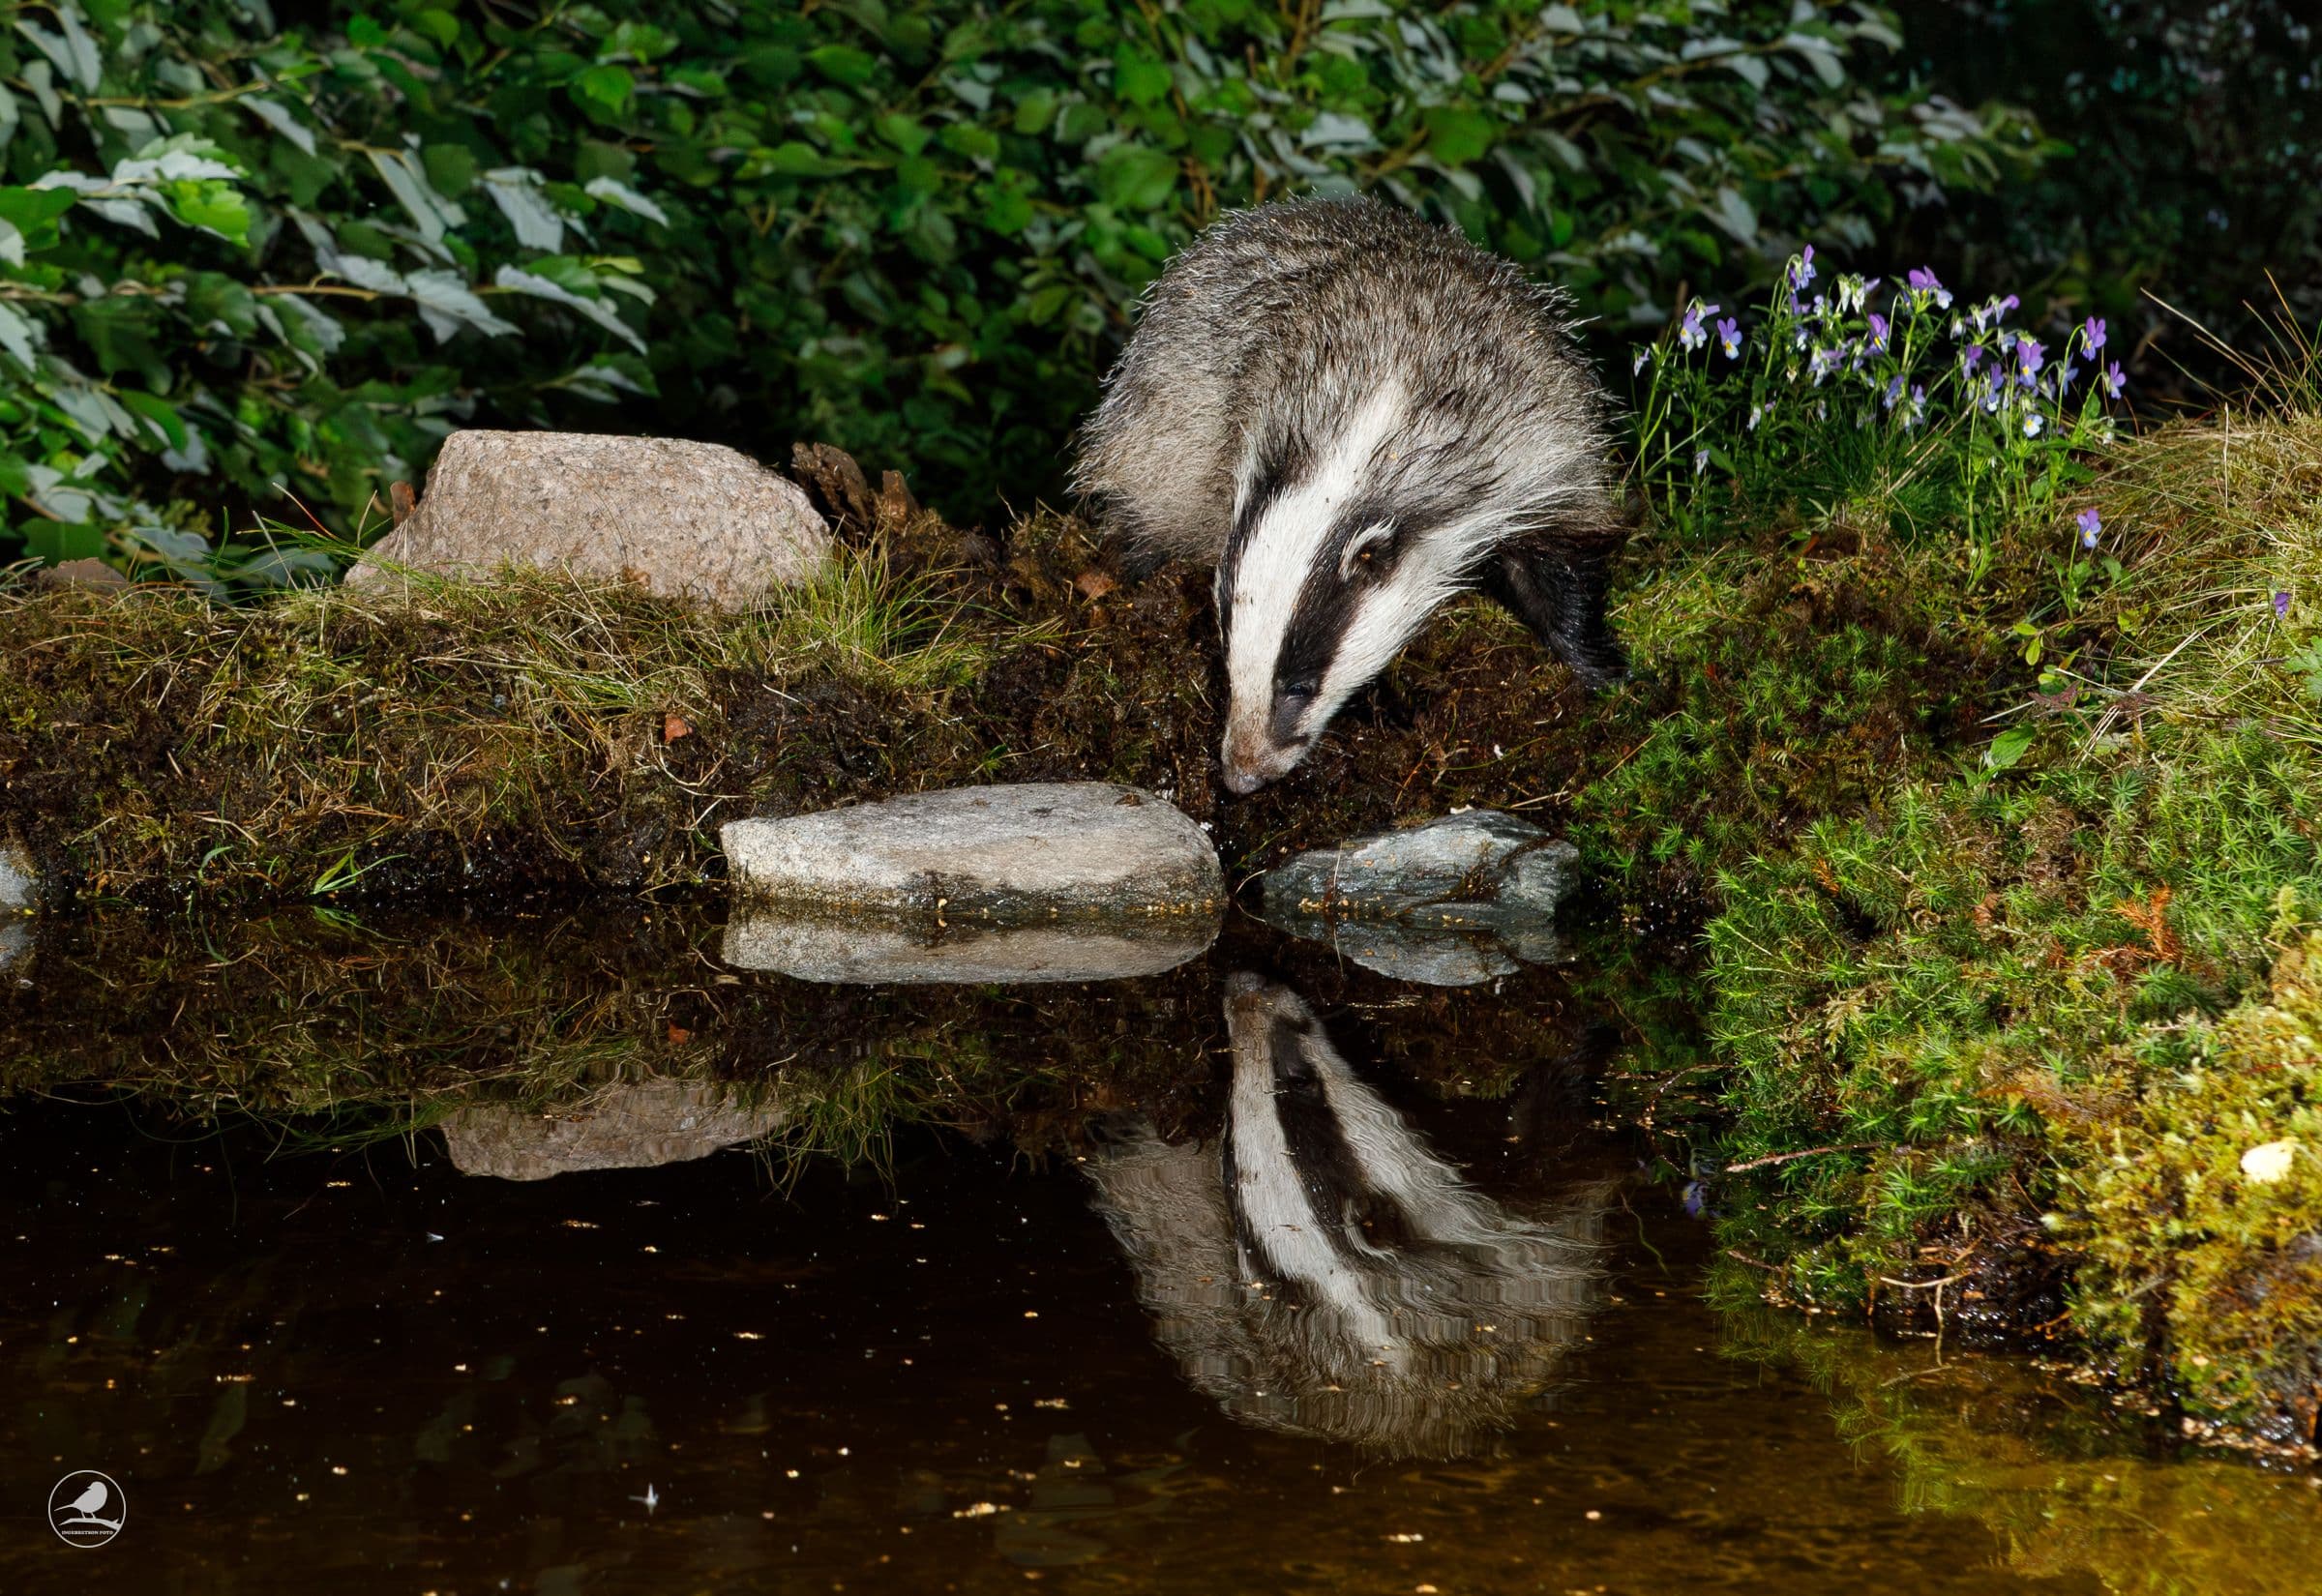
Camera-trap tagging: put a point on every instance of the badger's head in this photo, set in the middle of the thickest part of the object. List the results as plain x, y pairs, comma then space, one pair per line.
1340, 550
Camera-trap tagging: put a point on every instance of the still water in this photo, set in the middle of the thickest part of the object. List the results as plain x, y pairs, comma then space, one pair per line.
393, 1261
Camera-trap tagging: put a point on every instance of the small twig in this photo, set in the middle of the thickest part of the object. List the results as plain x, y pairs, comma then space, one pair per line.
1803, 1152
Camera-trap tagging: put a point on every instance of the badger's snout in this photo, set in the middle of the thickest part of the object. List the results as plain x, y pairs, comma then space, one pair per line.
1249, 763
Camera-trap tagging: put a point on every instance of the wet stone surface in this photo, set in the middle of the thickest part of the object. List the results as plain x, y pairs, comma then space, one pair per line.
872, 950
1453, 902
18, 883
1004, 855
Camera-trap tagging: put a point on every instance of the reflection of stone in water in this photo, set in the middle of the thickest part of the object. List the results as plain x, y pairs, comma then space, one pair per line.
632, 1125
1322, 1272
16, 938
887, 951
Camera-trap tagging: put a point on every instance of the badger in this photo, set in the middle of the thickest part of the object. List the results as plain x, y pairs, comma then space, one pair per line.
1319, 1270
1354, 415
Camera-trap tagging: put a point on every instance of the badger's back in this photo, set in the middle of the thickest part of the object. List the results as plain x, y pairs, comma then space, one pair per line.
1261, 341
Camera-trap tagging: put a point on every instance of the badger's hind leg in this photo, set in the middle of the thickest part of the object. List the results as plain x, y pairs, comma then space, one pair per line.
1558, 591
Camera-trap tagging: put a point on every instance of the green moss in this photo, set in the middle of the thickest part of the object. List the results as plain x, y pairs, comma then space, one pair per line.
1973, 1001
2197, 1260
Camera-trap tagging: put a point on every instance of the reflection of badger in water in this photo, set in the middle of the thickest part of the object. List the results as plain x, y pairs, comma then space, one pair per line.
1323, 1273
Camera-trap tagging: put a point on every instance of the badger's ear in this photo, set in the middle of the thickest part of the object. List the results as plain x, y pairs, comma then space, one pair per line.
1370, 547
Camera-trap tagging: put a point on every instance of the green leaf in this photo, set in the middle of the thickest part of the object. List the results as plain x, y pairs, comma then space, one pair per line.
33, 212
965, 138
1008, 211
160, 412
1135, 177
844, 64
906, 133
2008, 747
612, 87
1137, 77
213, 206
440, 26
793, 158
1034, 112
1458, 137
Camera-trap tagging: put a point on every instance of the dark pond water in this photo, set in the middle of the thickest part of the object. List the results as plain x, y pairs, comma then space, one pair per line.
1207, 1282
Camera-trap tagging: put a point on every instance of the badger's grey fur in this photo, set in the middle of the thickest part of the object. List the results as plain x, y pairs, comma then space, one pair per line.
1320, 1271
1354, 415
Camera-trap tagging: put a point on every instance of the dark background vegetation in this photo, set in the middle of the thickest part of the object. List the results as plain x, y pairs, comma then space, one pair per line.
290, 248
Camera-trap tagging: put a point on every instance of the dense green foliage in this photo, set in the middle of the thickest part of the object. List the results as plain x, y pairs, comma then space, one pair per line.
2193, 169
257, 267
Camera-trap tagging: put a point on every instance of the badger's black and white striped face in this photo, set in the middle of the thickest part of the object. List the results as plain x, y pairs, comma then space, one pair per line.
1334, 563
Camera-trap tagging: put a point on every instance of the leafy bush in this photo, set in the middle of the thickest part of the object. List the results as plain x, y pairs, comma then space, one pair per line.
277, 261
2194, 163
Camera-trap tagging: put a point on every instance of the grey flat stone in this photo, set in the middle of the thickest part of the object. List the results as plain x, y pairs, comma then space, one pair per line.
998, 855
632, 1125
1479, 856
691, 521
15, 940
886, 952
18, 885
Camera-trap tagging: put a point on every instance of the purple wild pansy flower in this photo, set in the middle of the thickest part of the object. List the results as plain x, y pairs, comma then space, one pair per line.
2091, 524
1923, 281
1802, 270
1994, 391
2029, 353
1701, 461
2114, 380
1918, 405
1729, 337
2033, 424
1644, 358
1876, 342
1689, 333
2281, 605
2092, 331
1970, 360
1895, 392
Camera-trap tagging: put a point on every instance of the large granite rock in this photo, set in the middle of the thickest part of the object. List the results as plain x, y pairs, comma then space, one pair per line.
998, 855
633, 1125
815, 948
691, 521
1450, 903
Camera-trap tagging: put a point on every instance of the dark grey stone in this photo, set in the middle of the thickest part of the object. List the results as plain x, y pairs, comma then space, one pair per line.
1453, 902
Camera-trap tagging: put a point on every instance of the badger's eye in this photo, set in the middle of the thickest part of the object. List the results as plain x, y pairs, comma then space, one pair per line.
1367, 553
1299, 691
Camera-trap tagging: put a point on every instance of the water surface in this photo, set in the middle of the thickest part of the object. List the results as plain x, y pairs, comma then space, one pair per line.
1267, 1274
